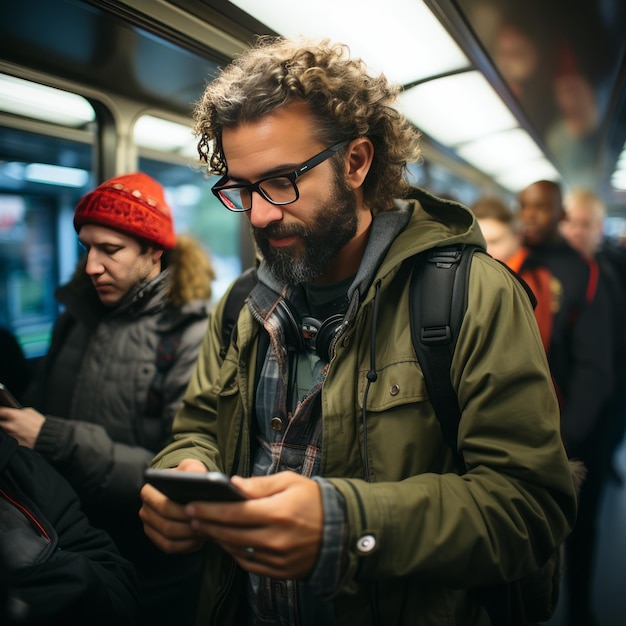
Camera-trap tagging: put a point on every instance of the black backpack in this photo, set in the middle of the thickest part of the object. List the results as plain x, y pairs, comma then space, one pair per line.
443, 274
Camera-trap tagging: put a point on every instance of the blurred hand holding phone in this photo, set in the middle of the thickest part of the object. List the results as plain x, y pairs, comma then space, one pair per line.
8, 399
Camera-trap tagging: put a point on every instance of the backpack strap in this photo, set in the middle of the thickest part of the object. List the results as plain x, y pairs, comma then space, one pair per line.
437, 303
234, 302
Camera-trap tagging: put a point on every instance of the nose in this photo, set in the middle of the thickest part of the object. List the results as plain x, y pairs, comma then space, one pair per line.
263, 213
527, 212
93, 267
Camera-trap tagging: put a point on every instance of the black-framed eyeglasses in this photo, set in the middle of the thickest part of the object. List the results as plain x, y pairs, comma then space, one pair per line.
278, 190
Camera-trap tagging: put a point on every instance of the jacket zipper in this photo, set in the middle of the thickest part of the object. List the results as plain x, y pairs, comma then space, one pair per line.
31, 518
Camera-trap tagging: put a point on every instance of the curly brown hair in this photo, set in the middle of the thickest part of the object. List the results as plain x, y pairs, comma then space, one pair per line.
346, 102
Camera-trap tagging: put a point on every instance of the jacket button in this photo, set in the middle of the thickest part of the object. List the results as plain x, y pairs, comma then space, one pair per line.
346, 342
394, 390
277, 423
366, 544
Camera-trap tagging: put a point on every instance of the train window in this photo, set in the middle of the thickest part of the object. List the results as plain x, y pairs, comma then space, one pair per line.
46, 146
615, 228
197, 212
168, 153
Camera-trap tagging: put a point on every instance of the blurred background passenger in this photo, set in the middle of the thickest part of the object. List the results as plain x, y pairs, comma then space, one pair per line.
501, 230
583, 227
581, 360
118, 365
55, 568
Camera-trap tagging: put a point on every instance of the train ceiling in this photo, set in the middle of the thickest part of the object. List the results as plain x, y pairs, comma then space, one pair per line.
555, 70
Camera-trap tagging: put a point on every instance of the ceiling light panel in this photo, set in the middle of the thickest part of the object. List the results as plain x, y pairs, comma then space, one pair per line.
456, 109
21, 97
159, 134
496, 153
517, 178
406, 50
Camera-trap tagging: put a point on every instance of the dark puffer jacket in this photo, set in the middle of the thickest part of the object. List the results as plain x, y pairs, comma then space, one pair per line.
109, 398
55, 568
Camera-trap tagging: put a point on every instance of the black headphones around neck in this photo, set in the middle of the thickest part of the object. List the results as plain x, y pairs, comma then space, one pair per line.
308, 332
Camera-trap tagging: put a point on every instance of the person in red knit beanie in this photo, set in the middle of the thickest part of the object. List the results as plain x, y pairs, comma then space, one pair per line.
118, 365
133, 204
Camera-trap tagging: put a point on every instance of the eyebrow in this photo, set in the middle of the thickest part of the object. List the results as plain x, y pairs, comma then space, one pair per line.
278, 170
99, 243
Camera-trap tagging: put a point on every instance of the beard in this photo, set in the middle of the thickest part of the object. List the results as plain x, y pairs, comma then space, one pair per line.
334, 225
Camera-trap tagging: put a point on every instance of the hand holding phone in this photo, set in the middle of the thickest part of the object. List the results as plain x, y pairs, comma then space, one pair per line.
184, 487
8, 399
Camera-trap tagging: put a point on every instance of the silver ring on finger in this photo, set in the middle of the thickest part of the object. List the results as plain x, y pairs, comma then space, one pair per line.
250, 553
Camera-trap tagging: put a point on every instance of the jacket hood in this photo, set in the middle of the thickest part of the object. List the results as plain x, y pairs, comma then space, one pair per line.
418, 223
435, 222
191, 272
146, 298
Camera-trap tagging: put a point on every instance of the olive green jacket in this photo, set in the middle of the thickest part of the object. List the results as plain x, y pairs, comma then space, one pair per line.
432, 533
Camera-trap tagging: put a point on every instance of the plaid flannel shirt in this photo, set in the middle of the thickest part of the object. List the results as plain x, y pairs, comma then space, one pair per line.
291, 440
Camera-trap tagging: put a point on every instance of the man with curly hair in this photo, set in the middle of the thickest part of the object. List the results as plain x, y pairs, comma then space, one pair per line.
318, 408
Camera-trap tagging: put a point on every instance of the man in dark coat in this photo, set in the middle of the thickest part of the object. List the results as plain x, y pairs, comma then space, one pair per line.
55, 568
580, 356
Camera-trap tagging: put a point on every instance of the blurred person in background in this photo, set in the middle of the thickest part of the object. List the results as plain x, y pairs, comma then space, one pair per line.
581, 360
119, 362
55, 568
501, 230
583, 227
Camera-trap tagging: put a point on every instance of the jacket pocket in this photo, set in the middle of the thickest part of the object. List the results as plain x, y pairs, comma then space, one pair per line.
397, 383
398, 425
26, 537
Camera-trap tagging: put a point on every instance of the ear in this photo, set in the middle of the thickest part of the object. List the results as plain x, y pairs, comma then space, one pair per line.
155, 255
360, 155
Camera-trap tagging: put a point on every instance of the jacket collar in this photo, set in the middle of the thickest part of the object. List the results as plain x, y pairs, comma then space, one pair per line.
81, 300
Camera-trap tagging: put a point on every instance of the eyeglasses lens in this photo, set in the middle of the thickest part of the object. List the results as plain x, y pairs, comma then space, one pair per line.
280, 190
236, 198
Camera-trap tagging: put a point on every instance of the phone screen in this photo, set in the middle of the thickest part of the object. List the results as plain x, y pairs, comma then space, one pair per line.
186, 487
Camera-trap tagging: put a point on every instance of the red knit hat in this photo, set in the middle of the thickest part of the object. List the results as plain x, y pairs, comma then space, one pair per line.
133, 204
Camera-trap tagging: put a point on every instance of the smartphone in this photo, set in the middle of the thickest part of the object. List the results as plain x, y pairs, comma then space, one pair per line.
8, 399
186, 487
